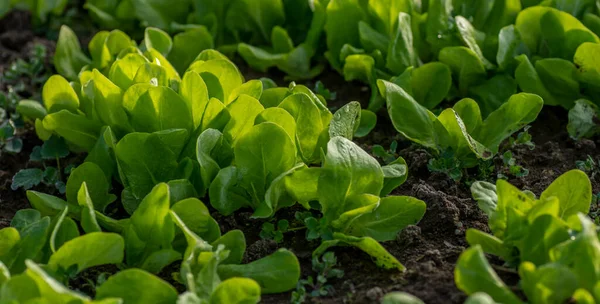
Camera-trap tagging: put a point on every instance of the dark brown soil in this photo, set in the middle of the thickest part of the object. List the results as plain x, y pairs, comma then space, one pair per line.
12, 201
428, 250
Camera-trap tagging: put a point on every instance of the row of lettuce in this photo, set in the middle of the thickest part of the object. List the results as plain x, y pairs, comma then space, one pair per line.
169, 139
436, 50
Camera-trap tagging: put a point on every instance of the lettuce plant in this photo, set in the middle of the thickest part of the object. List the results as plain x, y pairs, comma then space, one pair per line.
461, 128
143, 123
551, 241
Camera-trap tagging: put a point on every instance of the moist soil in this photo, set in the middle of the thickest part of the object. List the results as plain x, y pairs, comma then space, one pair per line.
429, 250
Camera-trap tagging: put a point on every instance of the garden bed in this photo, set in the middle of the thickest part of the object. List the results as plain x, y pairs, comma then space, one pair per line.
429, 250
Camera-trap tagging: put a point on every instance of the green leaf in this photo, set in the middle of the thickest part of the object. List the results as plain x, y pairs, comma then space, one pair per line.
33, 239
564, 86
27, 178
50, 288
480, 298
510, 45
236, 290
309, 123
89, 250
155, 38
381, 257
226, 73
439, 28
46, 204
520, 110
581, 253
195, 93
386, 221
489, 243
468, 35
400, 298
58, 95
197, 218
485, 195
98, 188
68, 57
277, 196
474, 274
431, 83
151, 227
146, 160
24, 218
401, 53
583, 119
550, 283
31, 109
409, 118
279, 117
574, 192
76, 129
348, 170
158, 109
243, 114
183, 53
235, 243
589, 70
465, 66
10, 239
137, 286
225, 192
278, 272
367, 123
64, 229
88, 214
124, 70
394, 175
101, 57
103, 155
346, 120
54, 148
261, 155
342, 28
545, 232
493, 93
529, 81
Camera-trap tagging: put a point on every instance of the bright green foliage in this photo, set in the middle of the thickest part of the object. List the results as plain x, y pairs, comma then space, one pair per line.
553, 243
459, 129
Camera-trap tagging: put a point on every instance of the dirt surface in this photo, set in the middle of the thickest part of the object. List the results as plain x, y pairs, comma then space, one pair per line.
429, 250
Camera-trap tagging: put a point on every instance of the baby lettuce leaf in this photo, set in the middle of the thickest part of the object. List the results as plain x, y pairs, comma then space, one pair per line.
278, 272
474, 274
89, 250
69, 59
137, 286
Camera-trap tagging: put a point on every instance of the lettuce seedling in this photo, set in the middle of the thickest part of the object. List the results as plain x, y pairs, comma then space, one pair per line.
518, 220
460, 128
550, 240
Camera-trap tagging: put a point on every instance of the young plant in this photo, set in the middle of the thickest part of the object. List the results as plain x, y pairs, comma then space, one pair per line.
513, 215
54, 149
22, 79
549, 239
461, 128
318, 287
388, 156
323, 91
510, 165
523, 138
351, 189
270, 232
589, 166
